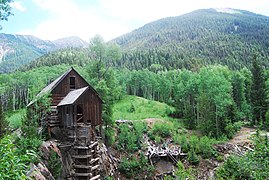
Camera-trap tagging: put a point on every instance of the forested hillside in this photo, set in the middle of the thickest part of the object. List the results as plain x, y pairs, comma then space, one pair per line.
198, 38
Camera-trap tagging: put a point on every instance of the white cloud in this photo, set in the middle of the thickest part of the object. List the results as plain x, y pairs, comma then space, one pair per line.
69, 19
113, 18
18, 5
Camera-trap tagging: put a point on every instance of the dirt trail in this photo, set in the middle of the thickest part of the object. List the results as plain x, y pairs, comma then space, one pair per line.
243, 136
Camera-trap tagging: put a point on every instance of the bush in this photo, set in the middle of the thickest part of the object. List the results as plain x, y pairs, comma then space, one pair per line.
133, 166
266, 123
253, 165
110, 136
14, 159
201, 146
232, 128
132, 108
55, 164
182, 173
15, 119
130, 137
206, 148
193, 157
163, 129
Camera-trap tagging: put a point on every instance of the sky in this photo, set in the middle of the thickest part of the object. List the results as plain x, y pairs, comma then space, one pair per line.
54, 19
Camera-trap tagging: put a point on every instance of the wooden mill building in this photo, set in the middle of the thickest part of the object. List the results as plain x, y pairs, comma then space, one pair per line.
76, 111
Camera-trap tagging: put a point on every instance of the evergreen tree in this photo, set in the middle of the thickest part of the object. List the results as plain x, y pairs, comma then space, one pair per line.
258, 96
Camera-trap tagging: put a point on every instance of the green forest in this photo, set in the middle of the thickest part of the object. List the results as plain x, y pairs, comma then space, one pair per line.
213, 100
196, 92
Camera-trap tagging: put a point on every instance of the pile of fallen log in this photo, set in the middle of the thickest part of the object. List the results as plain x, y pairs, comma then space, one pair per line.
109, 164
173, 152
236, 149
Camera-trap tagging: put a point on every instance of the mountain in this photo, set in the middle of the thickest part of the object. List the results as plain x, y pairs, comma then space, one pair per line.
72, 41
208, 36
18, 50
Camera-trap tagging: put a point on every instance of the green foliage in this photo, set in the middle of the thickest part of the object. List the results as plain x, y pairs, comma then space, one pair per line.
132, 109
163, 129
102, 78
233, 128
15, 160
36, 118
15, 118
182, 173
192, 157
258, 96
3, 122
55, 164
143, 109
182, 141
253, 165
200, 38
266, 123
133, 166
130, 136
200, 145
205, 147
110, 136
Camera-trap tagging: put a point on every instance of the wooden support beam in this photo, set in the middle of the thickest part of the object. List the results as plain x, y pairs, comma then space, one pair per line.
93, 144
81, 156
83, 174
94, 160
82, 166
96, 177
95, 167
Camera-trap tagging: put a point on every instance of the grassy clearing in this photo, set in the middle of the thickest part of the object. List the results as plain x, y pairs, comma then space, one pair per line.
137, 108
14, 119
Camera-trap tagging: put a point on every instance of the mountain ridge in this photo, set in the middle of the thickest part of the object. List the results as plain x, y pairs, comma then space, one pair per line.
206, 35
17, 50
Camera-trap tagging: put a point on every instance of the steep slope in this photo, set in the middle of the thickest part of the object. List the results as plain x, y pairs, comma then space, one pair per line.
18, 50
224, 36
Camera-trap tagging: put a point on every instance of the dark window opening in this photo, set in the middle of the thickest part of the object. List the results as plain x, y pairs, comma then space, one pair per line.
72, 83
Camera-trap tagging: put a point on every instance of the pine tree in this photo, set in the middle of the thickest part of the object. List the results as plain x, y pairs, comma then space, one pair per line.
258, 96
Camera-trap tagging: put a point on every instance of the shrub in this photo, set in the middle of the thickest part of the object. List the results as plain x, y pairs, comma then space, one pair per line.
182, 141
163, 129
14, 159
182, 173
133, 166
232, 128
194, 144
132, 108
266, 123
15, 120
206, 148
193, 157
110, 136
130, 137
55, 164
253, 165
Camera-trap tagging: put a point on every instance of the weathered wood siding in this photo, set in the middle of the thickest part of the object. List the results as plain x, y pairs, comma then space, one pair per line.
63, 88
92, 107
